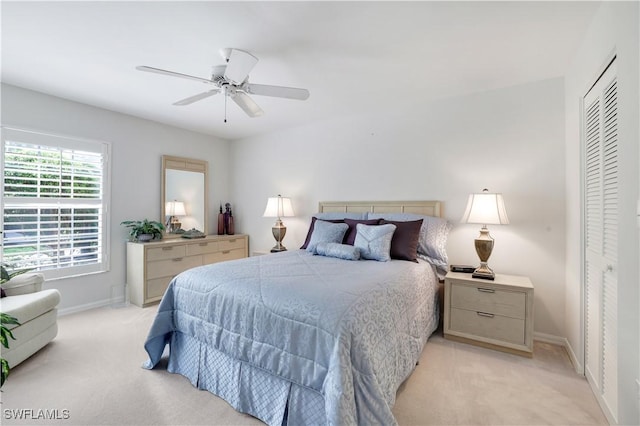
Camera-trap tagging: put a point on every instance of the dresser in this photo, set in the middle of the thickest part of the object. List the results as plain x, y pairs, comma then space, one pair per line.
152, 265
495, 314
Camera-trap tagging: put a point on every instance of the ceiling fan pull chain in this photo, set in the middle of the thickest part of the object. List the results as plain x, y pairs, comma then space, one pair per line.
225, 104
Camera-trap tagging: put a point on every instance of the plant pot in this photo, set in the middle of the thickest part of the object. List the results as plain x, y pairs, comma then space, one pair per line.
143, 238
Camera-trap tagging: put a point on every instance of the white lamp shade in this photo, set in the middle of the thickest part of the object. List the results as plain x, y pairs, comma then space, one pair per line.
175, 208
278, 207
486, 209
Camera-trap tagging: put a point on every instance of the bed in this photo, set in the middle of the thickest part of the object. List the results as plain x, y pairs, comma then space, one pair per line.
301, 338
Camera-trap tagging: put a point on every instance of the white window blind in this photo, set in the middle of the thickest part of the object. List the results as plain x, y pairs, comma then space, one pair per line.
54, 192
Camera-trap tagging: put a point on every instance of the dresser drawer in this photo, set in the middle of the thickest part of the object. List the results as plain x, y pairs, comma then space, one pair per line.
486, 325
231, 243
168, 252
202, 248
172, 267
156, 288
487, 299
223, 255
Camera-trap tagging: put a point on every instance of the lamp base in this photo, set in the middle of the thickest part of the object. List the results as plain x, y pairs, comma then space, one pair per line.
278, 231
483, 271
484, 247
174, 225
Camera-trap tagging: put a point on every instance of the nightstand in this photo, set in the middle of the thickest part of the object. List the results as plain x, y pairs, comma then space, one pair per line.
494, 314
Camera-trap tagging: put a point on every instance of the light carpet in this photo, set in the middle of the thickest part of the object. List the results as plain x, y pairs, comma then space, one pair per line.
91, 375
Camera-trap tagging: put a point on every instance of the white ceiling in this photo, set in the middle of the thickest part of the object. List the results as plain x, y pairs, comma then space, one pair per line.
354, 57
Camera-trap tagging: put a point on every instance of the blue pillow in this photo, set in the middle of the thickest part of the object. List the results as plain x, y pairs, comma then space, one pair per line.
341, 251
374, 241
326, 232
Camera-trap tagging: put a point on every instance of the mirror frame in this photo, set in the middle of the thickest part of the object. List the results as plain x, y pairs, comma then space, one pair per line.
170, 162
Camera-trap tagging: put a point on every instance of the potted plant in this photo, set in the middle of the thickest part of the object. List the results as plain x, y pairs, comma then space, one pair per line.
5, 334
144, 230
5, 320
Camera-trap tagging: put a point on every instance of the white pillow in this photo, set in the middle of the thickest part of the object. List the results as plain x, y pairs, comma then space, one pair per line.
374, 241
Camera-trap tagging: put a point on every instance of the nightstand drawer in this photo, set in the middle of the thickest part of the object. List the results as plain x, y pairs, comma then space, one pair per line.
487, 325
488, 299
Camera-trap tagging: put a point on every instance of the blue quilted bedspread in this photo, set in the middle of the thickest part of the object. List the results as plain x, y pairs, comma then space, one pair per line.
293, 337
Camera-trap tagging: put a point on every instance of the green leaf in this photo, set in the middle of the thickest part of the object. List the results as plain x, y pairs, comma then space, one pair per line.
8, 319
5, 371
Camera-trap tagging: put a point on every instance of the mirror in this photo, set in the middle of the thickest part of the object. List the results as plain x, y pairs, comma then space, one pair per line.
184, 195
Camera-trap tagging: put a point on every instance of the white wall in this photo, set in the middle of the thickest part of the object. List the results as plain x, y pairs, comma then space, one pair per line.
614, 29
509, 140
137, 148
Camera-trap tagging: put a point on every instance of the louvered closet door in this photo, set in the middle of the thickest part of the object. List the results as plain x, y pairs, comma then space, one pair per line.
601, 239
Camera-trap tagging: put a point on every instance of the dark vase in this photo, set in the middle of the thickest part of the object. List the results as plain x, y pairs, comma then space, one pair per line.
220, 222
230, 227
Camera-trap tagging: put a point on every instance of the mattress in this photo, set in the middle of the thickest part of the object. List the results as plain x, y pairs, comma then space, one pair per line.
295, 338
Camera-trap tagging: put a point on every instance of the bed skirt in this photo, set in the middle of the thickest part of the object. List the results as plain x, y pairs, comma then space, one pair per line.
247, 388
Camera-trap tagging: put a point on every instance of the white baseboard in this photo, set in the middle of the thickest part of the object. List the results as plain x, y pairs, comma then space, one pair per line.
549, 338
86, 307
564, 342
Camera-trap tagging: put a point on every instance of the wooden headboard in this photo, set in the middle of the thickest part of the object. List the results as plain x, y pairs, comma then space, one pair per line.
426, 208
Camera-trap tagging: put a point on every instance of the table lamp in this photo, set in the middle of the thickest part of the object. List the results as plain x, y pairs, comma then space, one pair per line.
173, 209
278, 207
486, 209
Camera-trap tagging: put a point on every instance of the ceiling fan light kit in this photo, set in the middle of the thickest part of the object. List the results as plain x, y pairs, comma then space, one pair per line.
232, 79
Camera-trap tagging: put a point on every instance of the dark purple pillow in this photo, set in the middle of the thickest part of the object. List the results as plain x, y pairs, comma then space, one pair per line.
404, 244
350, 236
2, 293
313, 220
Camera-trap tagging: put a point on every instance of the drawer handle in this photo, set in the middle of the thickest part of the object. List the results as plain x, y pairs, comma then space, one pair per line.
486, 290
203, 244
232, 241
484, 314
167, 248
177, 259
226, 251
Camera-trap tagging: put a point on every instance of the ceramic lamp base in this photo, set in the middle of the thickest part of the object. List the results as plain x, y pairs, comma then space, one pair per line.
484, 247
278, 231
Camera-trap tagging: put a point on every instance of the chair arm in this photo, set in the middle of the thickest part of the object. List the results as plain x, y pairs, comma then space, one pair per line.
24, 284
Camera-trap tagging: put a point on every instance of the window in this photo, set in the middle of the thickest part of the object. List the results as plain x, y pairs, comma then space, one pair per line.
55, 203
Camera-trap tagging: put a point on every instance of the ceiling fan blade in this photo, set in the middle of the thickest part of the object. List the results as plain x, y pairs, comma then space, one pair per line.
239, 65
278, 91
172, 74
195, 98
247, 104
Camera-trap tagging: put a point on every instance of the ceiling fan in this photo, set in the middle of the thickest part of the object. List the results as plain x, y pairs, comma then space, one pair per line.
232, 79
